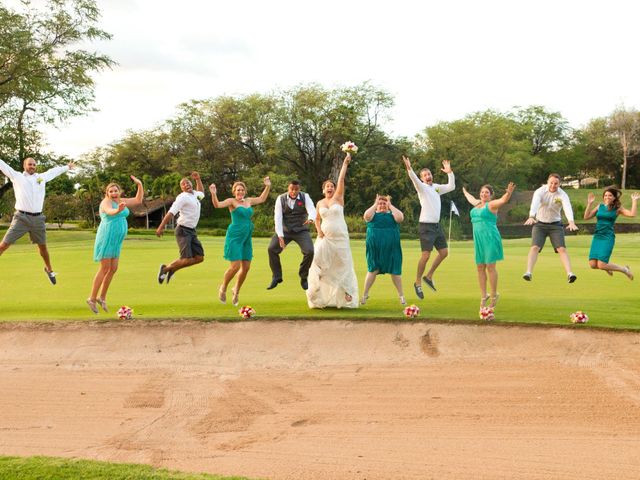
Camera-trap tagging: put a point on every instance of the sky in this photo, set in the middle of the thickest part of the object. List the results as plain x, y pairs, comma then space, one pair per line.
440, 60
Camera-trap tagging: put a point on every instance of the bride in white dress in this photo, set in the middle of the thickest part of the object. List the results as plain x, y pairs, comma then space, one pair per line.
332, 279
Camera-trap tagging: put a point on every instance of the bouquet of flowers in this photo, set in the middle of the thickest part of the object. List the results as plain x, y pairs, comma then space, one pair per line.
411, 311
579, 317
125, 313
486, 313
246, 312
349, 147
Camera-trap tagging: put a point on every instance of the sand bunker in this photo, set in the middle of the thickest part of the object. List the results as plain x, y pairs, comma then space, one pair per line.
326, 399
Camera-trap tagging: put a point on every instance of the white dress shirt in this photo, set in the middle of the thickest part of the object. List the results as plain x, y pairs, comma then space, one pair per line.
291, 202
188, 205
546, 206
29, 190
430, 196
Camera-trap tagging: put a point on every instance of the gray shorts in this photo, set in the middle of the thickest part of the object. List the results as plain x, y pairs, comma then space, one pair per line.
188, 242
431, 234
22, 224
540, 232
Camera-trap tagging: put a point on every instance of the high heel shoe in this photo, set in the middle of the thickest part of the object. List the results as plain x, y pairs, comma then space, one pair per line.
103, 303
494, 300
483, 300
92, 305
222, 294
627, 272
234, 298
402, 300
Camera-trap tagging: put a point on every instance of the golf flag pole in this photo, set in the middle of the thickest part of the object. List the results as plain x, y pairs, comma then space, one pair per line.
452, 210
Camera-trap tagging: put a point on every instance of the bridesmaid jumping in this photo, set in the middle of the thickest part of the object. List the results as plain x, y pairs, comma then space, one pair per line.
111, 233
486, 238
238, 248
604, 237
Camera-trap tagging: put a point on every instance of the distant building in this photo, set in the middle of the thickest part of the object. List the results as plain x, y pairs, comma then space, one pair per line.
150, 212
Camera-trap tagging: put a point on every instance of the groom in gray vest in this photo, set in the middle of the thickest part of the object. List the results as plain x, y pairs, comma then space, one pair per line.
294, 211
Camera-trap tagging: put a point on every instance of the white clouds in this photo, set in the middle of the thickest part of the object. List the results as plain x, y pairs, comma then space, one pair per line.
440, 60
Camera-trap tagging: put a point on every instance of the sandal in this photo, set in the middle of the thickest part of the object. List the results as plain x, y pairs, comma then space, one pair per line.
103, 303
483, 300
402, 300
364, 299
234, 298
627, 272
92, 305
494, 300
222, 295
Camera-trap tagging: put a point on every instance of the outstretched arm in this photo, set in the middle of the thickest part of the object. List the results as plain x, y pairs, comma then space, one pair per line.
589, 211
264, 195
137, 200
7, 170
494, 205
634, 206
214, 198
198, 180
451, 184
412, 175
470, 198
339, 195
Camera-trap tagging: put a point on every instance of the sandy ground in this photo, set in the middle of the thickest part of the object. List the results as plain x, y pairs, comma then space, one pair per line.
326, 399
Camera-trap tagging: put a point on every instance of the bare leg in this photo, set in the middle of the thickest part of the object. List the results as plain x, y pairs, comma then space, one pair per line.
44, 253
245, 265
4, 247
397, 282
482, 281
442, 254
182, 263
113, 268
105, 265
368, 283
422, 264
532, 258
612, 267
564, 258
229, 274
493, 283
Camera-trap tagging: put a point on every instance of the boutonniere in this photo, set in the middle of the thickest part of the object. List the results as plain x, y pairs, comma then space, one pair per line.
39, 179
437, 189
299, 203
557, 200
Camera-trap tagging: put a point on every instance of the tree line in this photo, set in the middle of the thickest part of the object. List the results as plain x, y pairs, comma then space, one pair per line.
45, 78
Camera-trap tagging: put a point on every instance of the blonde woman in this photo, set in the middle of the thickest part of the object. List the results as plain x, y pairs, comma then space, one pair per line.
238, 248
114, 211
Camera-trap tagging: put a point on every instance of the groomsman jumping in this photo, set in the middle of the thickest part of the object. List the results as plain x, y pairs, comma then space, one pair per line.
294, 211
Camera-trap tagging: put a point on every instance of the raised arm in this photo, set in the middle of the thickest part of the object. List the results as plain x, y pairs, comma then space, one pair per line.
137, 200
451, 183
371, 211
398, 216
7, 170
589, 211
470, 198
264, 195
214, 198
55, 171
105, 206
198, 180
412, 175
634, 206
339, 195
494, 205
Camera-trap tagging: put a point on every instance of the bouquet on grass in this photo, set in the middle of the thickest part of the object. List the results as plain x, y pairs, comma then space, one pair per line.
247, 311
412, 311
125, 313
579, 317
487, 313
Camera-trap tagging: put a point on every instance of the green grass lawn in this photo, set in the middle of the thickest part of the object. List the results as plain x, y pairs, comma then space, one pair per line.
41, 468
25, 293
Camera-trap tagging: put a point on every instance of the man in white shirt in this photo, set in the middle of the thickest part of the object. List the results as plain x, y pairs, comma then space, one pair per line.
294, 211
429, 229
29, 190
187, 204
545, 216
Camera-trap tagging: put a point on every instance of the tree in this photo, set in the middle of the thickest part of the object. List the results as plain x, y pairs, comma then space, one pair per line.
625, 126
45, 74
61, 207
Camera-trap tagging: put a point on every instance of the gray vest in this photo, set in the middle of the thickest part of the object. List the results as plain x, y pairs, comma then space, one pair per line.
293, 218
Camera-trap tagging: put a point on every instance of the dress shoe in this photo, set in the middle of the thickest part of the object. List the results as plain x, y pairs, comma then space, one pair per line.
274, 283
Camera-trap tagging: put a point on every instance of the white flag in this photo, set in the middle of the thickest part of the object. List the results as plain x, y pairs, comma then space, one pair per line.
454, 209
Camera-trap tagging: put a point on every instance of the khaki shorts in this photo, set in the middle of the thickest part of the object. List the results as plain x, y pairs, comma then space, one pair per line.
541, 231
23, 224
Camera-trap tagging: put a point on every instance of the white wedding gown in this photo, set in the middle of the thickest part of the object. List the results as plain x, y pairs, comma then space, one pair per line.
331, 275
